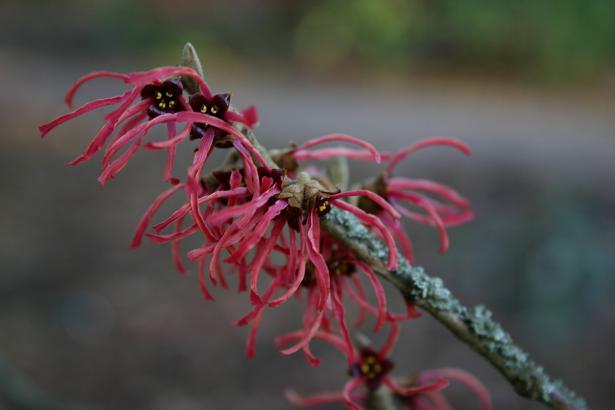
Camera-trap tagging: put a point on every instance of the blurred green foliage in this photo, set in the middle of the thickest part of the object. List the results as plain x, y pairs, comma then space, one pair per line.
560, 40
548, 254
563, 249
554, 39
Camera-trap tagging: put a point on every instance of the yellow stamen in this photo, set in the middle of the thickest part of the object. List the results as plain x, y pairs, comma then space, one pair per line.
158, 95
171, 103
323, 206
204, 109
162, 105
214, 109
365, 368
169, 94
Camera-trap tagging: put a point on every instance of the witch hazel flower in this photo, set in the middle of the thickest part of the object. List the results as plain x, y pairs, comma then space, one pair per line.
280, 205
295, 201
219, 106
420, 200
438, 204
282, 216
369, 370
155, 97
301, 197
345, 283
226, 226
344, 267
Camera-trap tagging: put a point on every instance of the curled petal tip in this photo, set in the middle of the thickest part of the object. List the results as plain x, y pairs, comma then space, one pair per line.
444, 244
44, 130
76, 161
292, 396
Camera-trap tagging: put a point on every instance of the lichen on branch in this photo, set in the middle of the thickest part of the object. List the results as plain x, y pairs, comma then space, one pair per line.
475, 327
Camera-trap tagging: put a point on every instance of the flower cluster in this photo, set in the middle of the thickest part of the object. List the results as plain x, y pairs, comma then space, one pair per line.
156, 97
257, 217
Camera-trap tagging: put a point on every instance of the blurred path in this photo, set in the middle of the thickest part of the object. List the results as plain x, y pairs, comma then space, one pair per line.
542, 130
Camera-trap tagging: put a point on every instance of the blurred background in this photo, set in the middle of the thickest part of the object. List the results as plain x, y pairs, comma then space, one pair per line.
529, 84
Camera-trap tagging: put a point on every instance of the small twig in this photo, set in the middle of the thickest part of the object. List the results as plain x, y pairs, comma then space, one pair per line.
191, 59
381, 399
337, 171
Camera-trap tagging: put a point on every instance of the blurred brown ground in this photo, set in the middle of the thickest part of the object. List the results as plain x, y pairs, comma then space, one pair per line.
88, 321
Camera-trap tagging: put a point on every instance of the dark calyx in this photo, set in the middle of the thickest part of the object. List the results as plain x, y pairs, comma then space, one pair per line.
164, 97
216, 107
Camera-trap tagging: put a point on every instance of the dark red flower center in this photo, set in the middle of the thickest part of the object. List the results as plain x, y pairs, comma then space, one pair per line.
337, 268
323, 206
164, 97
371, 367
217, 107
342, 267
